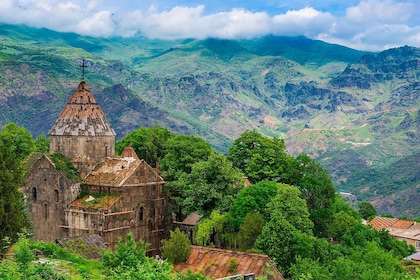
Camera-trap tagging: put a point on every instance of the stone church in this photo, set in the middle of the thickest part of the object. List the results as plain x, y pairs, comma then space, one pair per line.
113, 195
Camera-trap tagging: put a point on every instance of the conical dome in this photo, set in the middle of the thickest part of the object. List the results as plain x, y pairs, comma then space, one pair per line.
82, 116
82, 132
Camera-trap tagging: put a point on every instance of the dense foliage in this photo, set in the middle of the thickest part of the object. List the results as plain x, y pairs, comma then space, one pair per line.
290, 211
13, 216
149, 143
129, 261
260, 158
177, 248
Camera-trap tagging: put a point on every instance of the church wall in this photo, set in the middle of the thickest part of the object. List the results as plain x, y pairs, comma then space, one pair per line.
136, 212
48, 193
95, 148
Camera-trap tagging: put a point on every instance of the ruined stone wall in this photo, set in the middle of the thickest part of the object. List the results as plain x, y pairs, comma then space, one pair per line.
48, 192
79, 221
95, 148
139, 211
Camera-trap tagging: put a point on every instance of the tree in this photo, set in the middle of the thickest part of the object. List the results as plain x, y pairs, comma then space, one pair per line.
317, 188
209, 227
181, 151
18, 139
42, 144
148, 142
367, 211
260, 158
343, 218
129, 261
13, 216
252, 199
213, 184
250, 230
289, 218
177, 248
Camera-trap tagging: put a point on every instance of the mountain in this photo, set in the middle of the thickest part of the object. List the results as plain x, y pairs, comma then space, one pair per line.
356, 112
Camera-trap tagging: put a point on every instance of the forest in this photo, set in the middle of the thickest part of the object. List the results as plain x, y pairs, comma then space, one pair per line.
256, 198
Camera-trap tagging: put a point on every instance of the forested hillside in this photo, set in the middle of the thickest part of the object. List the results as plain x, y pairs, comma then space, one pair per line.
289, 211
356, 112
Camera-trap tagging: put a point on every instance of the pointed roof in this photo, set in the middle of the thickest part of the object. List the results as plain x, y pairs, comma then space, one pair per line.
82, 116
129, 153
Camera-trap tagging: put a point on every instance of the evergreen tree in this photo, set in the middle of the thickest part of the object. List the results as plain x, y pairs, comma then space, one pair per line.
12, 211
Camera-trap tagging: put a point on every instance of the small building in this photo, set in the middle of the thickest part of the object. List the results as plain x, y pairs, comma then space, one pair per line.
404, 230
220, 263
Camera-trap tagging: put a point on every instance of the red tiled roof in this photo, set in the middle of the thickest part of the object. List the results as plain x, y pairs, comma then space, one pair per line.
82, 116
214, 263
379, 223
402, 224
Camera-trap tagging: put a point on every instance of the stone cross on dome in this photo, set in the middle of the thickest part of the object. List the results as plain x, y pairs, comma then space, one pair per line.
83, 66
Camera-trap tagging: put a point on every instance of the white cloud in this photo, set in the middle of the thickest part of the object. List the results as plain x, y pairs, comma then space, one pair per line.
307, 21
377, 11
375, 25
369, 25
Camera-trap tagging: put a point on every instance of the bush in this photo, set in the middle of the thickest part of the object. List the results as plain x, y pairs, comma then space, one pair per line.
177, 248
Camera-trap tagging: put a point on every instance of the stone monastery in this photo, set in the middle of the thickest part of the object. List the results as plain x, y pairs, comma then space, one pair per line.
117, 194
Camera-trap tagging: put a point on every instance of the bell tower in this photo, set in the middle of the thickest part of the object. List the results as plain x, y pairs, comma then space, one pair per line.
82, 132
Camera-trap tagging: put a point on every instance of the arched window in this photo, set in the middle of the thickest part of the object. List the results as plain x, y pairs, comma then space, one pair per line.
34, 194
106, 150
56, 195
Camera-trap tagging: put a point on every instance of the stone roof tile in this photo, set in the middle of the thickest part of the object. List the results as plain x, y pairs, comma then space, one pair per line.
82, 116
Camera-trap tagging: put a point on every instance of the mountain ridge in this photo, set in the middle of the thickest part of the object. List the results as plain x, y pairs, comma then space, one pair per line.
351, 110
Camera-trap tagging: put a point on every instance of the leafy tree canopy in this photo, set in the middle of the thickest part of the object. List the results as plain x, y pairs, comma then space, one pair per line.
148, 142
213, 184
318, 190
177, 248
181, 151
18, 139
252, 199
42, 144
249, 231
289, 218
208, 227
260, 158
367, 211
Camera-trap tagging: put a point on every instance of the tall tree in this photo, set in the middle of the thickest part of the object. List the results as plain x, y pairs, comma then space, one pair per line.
181, 151
19, 139
213, 184
317, 188
260, 158
252, 199
12, 211
148, 142
289, 218
249, 231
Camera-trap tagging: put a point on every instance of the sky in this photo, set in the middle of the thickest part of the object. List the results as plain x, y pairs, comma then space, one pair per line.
371, 25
